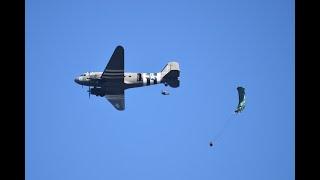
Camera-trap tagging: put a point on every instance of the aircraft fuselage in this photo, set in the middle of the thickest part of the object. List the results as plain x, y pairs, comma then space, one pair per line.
130, 80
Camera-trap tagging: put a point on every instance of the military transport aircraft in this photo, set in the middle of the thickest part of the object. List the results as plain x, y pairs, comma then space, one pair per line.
112, 82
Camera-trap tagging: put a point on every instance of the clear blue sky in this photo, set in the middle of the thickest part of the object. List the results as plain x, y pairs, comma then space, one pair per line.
219, 45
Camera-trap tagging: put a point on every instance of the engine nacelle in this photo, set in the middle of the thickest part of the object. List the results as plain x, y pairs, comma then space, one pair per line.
97, 91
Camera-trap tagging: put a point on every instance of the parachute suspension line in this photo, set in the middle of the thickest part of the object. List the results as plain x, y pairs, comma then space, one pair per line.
223, 129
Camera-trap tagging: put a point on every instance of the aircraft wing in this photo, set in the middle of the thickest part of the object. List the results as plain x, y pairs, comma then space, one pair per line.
114, 71
116, 97
117, 100
113, 75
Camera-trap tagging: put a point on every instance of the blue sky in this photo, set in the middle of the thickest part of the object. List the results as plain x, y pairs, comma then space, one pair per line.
219, 45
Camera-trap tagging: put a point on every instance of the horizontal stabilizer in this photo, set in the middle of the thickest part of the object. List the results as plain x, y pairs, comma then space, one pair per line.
174, 83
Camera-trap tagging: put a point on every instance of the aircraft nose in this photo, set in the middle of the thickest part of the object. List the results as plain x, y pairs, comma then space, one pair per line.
76, 80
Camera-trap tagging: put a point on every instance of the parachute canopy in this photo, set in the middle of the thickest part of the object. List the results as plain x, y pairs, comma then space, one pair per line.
242, 99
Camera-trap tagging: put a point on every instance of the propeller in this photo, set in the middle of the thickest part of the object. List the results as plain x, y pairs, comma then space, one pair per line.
89, 92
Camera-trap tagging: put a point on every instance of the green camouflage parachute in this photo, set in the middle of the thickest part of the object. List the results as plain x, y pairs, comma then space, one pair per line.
242, 100
240, 108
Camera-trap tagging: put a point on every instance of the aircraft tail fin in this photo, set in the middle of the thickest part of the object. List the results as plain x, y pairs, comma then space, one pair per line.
170, 74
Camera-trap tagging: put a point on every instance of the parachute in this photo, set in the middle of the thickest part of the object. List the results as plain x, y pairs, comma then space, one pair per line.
242, 99
240, 108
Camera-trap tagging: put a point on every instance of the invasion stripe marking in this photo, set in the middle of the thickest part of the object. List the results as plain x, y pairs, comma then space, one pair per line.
158, 77
109, 77
113, 77
148, 81
113, 73
144, 79
114, 70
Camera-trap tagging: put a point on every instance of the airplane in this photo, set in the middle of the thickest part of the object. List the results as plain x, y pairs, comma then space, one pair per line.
113, 81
